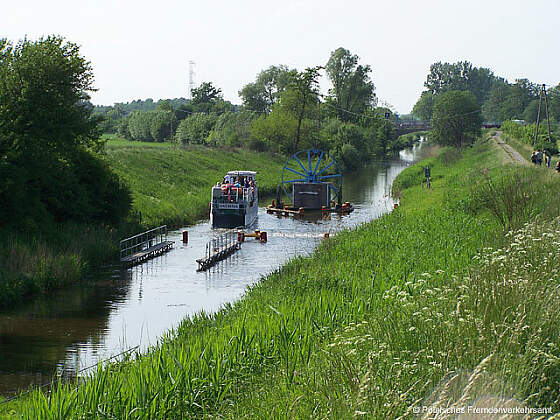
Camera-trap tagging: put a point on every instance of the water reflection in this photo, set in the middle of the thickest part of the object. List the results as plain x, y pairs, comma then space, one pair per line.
119, 309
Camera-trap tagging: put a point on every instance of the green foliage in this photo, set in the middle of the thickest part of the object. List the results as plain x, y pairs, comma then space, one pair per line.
206, 97
38, 263
48, 136
232, 129
456, 118
500, 100
512, 101
445, 77
163, 124
526, 134
353, 92
195, 129
275, 131
404, 141
424, 107
294, 120
514, 195
140, 124
349, 157
262, 94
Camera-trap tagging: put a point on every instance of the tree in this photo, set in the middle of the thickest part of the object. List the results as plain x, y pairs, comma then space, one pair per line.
444, 77
260, 95
232, 129
424, 107
43, 94
47, 134
163, 124
301, 100
195, 129
554, 102
205, 97
353, 92
140, 125
456, 118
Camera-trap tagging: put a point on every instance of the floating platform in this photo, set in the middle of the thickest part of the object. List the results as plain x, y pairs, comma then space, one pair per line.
144, 246
148, 253
217, 255
345, 208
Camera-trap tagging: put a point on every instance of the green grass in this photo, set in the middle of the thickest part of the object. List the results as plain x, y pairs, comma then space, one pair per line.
171, 184
114, 141
37, 263
435, 306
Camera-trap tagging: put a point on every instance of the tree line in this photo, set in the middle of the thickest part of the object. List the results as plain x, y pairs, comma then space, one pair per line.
498, 99
459, 97
282, 111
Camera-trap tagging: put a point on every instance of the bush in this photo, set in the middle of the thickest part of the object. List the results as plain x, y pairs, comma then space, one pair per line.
350, 157
514, 194
526, 134
195, 129
140, 125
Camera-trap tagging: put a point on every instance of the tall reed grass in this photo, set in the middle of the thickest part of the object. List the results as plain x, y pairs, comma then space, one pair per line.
37, 263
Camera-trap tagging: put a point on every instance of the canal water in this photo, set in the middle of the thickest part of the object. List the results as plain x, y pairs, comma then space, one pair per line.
120, 309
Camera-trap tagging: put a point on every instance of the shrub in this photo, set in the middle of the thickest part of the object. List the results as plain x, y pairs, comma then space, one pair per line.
514, 194
195, 129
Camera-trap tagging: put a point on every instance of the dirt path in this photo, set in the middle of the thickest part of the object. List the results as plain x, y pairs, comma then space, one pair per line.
509, 152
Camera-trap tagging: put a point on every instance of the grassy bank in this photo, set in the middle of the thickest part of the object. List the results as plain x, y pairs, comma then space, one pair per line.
436, 304
37, 263
171, 184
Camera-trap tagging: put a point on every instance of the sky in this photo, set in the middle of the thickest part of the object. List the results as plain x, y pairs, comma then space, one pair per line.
141, 49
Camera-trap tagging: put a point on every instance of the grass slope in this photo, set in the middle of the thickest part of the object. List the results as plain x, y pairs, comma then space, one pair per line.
171, 184
433, 304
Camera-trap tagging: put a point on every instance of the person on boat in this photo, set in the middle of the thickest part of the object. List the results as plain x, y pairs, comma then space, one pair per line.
246, 183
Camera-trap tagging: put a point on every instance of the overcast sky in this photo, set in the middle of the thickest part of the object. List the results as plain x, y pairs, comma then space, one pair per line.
140, 49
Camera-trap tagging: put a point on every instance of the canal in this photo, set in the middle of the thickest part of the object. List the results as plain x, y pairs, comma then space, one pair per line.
117, 310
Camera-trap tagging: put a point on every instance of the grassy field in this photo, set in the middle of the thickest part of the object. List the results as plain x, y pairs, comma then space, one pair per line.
171, 184
448, 301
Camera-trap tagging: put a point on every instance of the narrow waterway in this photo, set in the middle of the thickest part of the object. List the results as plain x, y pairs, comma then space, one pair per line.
120, 309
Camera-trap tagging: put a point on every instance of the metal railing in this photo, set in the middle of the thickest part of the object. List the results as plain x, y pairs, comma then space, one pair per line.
142, 241
221, 243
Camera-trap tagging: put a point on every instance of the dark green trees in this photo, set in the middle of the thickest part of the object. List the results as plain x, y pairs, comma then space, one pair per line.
456, 118
47, 136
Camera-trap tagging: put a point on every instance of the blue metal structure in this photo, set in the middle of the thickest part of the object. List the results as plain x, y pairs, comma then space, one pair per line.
312, 166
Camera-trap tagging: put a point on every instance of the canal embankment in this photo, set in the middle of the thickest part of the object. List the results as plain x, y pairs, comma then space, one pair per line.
447, 300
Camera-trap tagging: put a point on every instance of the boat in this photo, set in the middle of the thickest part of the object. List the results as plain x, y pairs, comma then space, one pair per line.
235, 200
